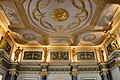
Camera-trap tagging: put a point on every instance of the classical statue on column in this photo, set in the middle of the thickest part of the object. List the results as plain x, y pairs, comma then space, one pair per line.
73, 54
113, 36
100, 51
4, 40
114, 43
17, 52
45, 53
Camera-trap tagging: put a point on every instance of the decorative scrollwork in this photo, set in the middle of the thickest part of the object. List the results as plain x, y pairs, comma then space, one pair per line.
77, 20
60, 1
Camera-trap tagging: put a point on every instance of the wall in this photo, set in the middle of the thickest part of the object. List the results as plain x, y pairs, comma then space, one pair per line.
0, 77
59, 76
2, 73
21, 76
89, 75
115, 73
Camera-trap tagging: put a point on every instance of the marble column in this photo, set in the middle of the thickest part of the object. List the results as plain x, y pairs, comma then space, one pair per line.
106, 75
44, 75
104, 72
44, 72
74, 72
74, 75
11, 75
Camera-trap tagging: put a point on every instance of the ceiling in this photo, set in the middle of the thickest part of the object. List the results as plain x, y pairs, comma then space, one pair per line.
64, 22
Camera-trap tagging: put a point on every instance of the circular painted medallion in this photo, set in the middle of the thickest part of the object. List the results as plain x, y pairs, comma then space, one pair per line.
89, 37
29, 36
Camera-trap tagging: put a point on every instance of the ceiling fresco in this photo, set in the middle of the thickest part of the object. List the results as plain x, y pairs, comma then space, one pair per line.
45, 22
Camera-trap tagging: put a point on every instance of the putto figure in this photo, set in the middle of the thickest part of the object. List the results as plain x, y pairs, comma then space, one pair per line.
17, 52
45, 53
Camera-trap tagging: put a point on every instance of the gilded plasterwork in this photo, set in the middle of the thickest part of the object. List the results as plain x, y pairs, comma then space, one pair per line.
60, 1
60, 14
73, 18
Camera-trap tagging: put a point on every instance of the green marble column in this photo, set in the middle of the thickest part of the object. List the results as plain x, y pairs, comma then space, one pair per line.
44, 75
11, 75
44, 72
74, 75
104, 71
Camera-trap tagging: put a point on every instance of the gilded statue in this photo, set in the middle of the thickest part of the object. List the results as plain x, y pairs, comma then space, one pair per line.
73, 54
100, 51
45, 53
4, 40
113, 36
17, 52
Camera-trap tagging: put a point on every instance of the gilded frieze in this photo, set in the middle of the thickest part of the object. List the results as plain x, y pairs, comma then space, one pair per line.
59, 55
32, 55
85, 56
